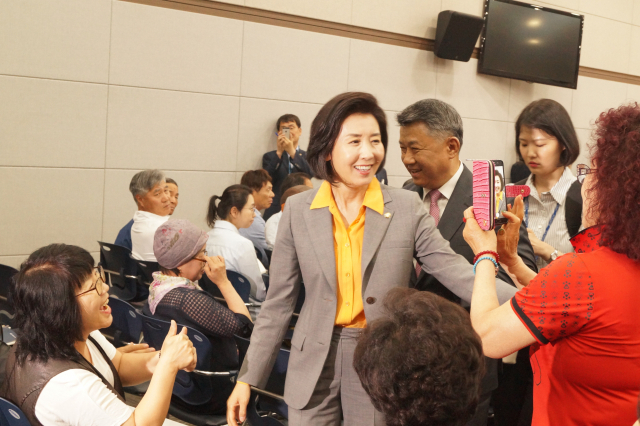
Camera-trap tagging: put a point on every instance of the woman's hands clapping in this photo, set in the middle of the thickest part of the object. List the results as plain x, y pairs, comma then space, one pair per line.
177, 350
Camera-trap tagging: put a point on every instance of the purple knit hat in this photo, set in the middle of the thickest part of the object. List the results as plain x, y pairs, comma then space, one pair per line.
176, 242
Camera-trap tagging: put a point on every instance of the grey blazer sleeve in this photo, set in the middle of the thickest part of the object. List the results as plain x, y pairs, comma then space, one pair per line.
277, 309
436, 257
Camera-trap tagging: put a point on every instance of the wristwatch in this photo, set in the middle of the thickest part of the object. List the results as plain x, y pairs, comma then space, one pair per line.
553, 256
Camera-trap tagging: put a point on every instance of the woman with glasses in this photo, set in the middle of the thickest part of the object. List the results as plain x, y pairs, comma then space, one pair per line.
580, 314
61, 370
547, 143
174, 294
228, 213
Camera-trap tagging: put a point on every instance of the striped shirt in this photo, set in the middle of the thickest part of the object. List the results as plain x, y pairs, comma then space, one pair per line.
541, 207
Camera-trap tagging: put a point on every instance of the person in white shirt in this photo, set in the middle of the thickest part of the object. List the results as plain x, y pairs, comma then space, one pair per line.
149, 190
235, 210
62, 371
271, 227
259, 182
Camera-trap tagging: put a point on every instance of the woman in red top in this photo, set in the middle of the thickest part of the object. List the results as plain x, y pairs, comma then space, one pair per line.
581, 311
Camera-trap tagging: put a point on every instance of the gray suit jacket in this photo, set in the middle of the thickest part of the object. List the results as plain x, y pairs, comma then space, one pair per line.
304, 252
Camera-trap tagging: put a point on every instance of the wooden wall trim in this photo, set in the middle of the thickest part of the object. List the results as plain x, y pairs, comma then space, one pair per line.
250, 14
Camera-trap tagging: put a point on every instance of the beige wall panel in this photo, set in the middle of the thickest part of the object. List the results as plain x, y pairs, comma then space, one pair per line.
13, 261
605, 44
397, 181
636, 12
562, 4
49, 206
62, 39
584, 137
523, 93
473, 95
170, 49
195, 189
619, 10
52, 123
393, 163
170, 130
240, 2
328, 10
294, 65
633, 93
257, 132
413, 17
634, 61
594, 96
484, 140
397, 76
510, 155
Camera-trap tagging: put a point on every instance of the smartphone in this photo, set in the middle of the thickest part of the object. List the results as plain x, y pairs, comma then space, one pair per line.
286, 133
500, 194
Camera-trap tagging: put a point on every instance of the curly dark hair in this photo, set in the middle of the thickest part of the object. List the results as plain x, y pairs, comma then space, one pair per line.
615, 192
326, 127
422, 363
44, 297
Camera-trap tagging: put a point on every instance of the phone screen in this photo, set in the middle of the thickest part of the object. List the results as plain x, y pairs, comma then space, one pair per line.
501, 199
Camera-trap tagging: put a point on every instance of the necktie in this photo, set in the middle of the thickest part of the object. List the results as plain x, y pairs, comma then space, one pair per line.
434, 211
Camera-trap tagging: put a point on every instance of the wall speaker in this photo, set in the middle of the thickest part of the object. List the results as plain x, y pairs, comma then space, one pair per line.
456, 35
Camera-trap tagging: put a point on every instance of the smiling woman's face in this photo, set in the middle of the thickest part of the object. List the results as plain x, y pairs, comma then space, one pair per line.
96, 313
358, 150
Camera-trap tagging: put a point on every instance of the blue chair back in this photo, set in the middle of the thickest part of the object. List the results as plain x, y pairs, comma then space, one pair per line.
241, 284
276, 381
191, 388
120, 268
6, 308
127, 323
254, 418
146, 269
11, 415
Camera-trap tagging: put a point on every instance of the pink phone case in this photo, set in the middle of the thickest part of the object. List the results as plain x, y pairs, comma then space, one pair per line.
514, 190
482, 193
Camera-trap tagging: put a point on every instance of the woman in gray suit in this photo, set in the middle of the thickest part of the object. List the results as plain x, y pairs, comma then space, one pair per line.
350, 242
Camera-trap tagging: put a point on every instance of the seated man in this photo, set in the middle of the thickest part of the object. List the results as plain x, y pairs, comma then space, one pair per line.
294, 179
260, 183
422, 363
149, 193
288, 158
172, 187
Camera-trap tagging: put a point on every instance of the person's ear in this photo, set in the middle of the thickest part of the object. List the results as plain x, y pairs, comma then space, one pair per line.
234, 212
140, 200
453, 146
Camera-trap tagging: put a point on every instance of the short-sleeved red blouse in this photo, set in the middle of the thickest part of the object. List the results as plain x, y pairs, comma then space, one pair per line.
584, 310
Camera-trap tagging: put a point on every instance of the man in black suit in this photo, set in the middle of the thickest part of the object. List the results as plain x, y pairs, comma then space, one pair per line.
287, 159
430, 142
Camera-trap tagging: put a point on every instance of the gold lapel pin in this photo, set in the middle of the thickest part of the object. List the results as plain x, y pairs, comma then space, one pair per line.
387, 215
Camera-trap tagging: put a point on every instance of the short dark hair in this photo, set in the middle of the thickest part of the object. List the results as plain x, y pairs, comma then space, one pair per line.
550, 117
169, 180
44, 297
294, 179
255, 179
326, 127
287, 118
233, 196
440, 118
293, 191
421, 363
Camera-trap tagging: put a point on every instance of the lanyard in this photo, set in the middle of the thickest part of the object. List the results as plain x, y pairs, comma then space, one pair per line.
526, 217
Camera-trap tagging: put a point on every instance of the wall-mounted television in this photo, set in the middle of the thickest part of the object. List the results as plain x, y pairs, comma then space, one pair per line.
532, 43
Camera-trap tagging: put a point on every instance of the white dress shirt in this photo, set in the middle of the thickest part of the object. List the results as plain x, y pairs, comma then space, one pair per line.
143, 231
271, 229
239, 255
541, 207
445, 190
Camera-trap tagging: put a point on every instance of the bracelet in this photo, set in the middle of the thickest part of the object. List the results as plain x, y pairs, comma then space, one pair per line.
486, 258
494, 253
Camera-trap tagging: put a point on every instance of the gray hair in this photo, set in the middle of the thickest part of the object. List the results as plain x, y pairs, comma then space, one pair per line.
439, 117
144, 181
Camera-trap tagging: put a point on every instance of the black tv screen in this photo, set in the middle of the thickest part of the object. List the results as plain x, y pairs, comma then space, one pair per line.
531, 43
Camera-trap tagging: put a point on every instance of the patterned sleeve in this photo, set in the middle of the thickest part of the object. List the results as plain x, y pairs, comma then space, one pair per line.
559, 300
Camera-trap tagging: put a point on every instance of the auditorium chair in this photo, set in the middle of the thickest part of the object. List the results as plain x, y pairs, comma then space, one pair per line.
6, 308
121, 270
11, 415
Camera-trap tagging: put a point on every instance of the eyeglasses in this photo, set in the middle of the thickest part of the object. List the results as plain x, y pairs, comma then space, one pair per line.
202, 260
583, 171
95, 284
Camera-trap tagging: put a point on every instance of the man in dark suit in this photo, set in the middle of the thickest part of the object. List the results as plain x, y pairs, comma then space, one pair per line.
287, 159
430, 142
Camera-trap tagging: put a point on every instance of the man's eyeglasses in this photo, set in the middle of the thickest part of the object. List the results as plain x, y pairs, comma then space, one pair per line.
202, 260
583, 171
101, 277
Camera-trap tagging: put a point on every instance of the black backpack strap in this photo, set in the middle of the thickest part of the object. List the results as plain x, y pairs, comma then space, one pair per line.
117, 383
573, 208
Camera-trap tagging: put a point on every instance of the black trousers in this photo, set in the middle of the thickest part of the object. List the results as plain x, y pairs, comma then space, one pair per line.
513, 400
